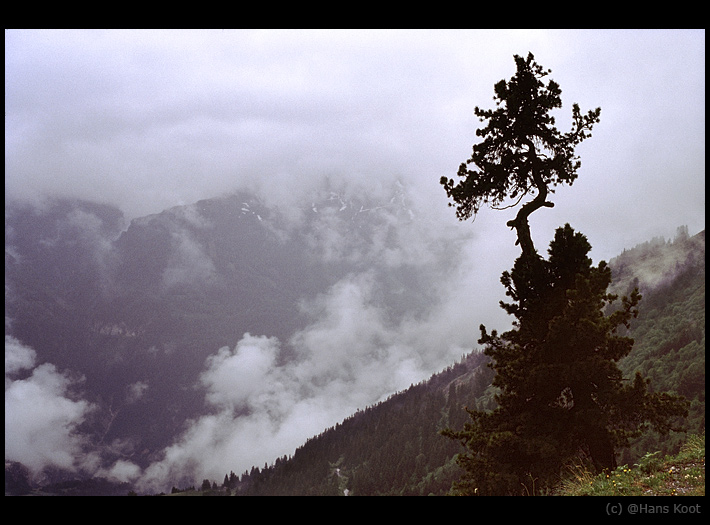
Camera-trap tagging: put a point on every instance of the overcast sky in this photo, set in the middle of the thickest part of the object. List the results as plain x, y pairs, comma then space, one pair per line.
150, 119
147, 120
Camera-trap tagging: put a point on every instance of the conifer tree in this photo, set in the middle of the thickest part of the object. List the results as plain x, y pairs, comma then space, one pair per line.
560, 394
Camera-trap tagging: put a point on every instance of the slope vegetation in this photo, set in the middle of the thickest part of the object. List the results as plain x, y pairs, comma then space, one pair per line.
394, 448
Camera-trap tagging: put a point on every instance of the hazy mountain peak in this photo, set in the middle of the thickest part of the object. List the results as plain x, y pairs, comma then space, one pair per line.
658, 261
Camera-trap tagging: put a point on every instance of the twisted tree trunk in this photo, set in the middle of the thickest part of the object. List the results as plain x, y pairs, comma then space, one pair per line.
520, 223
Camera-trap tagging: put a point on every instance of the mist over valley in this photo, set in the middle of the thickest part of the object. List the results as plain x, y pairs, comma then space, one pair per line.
222, 332
226, 333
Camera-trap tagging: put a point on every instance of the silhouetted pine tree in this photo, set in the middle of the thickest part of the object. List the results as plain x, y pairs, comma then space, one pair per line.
561, 392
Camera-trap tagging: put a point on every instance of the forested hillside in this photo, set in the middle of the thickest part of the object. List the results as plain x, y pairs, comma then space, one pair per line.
390, 449
394, 448
669, 334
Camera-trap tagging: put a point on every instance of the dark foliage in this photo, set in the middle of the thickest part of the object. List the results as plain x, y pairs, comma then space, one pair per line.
562, 395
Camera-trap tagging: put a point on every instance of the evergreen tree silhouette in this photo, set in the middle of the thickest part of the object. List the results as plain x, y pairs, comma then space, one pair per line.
561, 395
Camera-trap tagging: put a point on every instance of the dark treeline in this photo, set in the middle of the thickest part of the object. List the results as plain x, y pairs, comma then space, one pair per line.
392, 448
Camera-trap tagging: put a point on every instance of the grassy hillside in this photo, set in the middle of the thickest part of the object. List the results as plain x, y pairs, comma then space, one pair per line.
682, 474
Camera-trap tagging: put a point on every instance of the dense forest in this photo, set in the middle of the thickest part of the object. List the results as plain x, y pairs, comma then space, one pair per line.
395, 447
391, 449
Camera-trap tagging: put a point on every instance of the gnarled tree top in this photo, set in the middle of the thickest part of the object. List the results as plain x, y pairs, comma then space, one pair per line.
522, 152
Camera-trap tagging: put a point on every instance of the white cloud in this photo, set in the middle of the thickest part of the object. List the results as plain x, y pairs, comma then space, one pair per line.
352, 355
122, 471
239, 378
188, 262
136, 391
18, 357
42, 415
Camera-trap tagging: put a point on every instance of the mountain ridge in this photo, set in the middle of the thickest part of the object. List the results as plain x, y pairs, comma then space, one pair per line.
138, 310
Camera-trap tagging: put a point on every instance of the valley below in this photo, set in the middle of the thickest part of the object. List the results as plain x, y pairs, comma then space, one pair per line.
228, 336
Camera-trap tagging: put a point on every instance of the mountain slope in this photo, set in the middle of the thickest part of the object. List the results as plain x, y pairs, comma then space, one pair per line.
394, 448
669, 335
135, 319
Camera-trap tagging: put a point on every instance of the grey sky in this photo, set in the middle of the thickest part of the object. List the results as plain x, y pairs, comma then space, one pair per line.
151, 119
